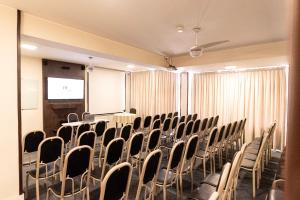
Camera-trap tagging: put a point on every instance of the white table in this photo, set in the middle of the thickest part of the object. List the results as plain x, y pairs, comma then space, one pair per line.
74, 124
124, 118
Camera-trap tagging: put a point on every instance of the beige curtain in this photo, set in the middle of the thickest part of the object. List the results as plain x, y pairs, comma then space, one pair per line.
260, 96
153, 92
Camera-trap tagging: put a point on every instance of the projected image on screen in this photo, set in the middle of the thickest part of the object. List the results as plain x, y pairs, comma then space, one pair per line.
63, 88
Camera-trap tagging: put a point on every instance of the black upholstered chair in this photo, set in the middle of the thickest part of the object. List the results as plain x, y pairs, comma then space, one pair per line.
84, 114
100, 128
152, 144
196, 127
147, 123
125, 132
87, 138
175, 114
132, 110
108, 136
137, 124
149, 174
216, 120
155, 117
81, 129
163, 117
156, 124
209, 125
77, 167
135, 148
188, 129
203, 127
188, 118
120, 175
174, 123
182, 119
49, 162
31, 143
194, 117
170, 115
66, 133
72, 117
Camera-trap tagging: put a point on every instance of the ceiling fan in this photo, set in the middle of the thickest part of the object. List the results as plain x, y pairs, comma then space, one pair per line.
198, 50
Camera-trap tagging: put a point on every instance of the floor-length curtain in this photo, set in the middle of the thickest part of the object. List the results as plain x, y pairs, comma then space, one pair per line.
259, 95
153, 92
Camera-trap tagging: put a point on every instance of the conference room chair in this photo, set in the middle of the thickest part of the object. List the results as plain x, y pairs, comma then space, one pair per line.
137, 124
277, 191
132, 110
226, 139
120, 174
72, 117
30, 145
235, 138
155, 117
209, 125
84, 114
147, 123
125, 133
196, 127
166, 130
188, 129
207, 191
48, 164
229, 139
108, 136
219, 145
81, 129
163, 117
205, 153
175, 114
178, 135
170, 115
88, 138
77, 166
188, 118
148, 176
113, 156
188, 161
182, 119
174, 124
216, 120
66, 133
195, 116
242, 133
134, 149
203, 128
100, 127
254, 166
156, 124
167, 176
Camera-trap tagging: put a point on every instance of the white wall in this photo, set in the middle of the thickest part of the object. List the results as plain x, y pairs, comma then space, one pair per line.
31, 69
9, 176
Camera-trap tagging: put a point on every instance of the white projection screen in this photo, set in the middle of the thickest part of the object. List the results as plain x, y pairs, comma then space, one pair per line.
106, 91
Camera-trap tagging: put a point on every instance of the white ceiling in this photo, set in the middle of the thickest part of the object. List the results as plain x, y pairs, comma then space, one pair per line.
151, 24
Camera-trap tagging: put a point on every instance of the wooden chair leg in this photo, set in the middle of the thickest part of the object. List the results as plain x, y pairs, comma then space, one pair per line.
253, 184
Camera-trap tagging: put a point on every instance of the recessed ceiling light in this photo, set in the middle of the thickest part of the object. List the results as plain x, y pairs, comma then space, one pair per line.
180, 28
130, 66
230, 67
29, 46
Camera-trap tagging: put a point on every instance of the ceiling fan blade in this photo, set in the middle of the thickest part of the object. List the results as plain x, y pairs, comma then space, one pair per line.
211, 44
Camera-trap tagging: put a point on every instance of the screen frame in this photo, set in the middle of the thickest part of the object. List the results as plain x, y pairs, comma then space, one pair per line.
64, 100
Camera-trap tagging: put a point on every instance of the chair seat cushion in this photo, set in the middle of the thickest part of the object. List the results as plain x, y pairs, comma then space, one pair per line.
42, 171
163, 174
96, 173
252, 151
249, 164
203, 192
250, 156
212, 179
56, 187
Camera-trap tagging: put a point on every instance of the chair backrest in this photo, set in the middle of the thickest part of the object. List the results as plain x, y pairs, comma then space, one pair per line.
77, 163
221, 134
32, 140
175, 114
151, 166
190, 149
84, 114
163, 117
176, 156
210, 122
132, 110
156, 117
135, 145
147, 121
50, 150
174, 122
126, 132
114, 151
179, 131
87, 138
195, 116
182, 119
188, 118
82, 128
66, 133
166, 125
156, 124
216, 120
204, 124
137, 123
196, 126
211, 138
223, 178
227, 131
233, 128
170, 115
120, 175
100, 128
72, 117
154, 140
189, 128
109, 135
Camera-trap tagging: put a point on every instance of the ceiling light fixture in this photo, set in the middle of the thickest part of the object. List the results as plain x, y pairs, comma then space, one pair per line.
29, 47
130, 66
230, 67
180, 28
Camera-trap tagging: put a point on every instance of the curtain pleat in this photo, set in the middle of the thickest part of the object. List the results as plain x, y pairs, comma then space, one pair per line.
260, 96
